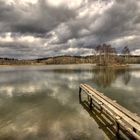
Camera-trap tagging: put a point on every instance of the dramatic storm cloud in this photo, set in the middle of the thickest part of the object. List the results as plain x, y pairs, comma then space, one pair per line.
43, 28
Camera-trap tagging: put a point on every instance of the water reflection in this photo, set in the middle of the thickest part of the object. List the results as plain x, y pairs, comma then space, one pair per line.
42, 103
104, 77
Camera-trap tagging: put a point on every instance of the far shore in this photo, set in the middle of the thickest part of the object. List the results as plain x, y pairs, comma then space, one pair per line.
42, 64
65, 60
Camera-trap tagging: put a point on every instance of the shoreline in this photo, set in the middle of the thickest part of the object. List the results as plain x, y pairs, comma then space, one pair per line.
74, 65
42, 64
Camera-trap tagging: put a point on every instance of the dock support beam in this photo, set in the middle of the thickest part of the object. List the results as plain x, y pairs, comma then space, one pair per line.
134, 129
80, 90
132, 138
90, 105
117, 129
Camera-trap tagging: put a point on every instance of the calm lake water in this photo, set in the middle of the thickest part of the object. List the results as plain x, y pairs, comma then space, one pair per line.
41, 102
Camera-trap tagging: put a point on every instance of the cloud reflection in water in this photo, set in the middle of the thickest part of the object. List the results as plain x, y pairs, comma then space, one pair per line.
43, 104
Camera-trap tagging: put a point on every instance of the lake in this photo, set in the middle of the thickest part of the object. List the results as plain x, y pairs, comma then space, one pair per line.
41, 102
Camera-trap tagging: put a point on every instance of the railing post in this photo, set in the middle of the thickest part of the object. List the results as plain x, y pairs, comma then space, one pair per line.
80, 89
101, 108
117, 129
90, 105
132, 138
134, 129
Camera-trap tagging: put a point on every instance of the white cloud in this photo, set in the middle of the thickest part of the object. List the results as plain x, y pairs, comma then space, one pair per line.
136, 52
123, 40
10, 38
68, 3
28, 38
10, 2
6, 38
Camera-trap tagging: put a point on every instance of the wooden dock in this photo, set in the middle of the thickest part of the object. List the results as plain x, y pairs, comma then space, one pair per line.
123, 119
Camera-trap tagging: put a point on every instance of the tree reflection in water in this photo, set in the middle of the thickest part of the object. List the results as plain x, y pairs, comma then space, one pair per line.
104, 77
126, 77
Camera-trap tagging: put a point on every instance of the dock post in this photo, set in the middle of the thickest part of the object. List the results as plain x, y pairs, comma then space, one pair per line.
80, 89
132, 138
101, 109
117, 129
134, 129
90, 105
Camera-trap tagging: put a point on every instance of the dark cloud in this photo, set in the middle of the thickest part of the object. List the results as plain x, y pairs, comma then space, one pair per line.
42, 29
118, 20
39, 18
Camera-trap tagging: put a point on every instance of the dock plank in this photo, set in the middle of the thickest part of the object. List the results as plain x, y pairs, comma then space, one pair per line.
119, 107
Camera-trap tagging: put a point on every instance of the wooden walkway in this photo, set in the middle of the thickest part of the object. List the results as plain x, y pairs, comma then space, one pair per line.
123, 119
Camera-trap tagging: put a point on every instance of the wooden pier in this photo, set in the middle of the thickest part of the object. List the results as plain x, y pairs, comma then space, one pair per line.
124, 120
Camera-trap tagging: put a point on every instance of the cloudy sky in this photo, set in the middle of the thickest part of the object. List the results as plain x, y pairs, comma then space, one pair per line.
43, 28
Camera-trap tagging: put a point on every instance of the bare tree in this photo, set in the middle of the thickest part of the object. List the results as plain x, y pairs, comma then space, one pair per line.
105, 54
126, 53
98, 53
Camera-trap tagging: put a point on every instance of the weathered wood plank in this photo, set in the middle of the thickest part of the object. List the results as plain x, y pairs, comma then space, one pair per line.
119, 107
